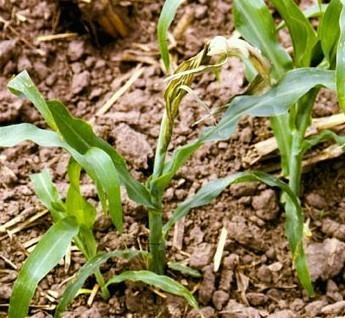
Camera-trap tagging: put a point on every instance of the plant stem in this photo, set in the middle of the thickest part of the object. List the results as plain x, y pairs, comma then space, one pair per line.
89, 249
157, 243
100, 281
162, 145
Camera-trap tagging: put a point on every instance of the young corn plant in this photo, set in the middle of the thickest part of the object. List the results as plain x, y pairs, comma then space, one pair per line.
286, 92
280, 91
73, 217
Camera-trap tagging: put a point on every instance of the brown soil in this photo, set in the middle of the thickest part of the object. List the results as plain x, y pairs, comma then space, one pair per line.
255, 278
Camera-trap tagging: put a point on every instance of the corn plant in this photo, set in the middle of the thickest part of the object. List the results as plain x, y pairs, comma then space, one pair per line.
281, 87
286, 93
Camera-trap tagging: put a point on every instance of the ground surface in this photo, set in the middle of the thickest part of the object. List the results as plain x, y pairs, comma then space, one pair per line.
255, 278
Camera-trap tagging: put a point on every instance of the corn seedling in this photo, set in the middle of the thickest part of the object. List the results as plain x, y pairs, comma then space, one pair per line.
286, 93
281, 87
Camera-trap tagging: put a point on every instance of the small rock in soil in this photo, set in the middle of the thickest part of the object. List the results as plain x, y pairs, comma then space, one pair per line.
246, 234
313, 309
266, 205
208, 312
201, 256
226, 279
264, 274
236, 310
256, 299
7, 51
326, 259
283, 314
207, 285
246, 135
91, 313
132, 145
316, 200
243, 189
24, 63
76, 50
5, 292
220, 298
80, 82
333, 229
334, 309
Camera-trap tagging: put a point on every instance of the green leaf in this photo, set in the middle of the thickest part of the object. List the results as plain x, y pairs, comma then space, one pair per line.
90, 268
302, 33
13, 135
100, 168
183, 269
48, 194
329, 31
340, 67
275, 102
79, 135
47, 254
313, 11
294, 216
76, 205
321, 137
22, 85
255, 23
95, 161
159, 281
165, 19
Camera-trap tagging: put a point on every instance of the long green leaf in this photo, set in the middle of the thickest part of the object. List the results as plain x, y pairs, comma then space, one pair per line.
329, 31
91, 267
22, 85
13, 135
340, 67
313, 11
48, 194
276, 101
47, 254
79, 135
100, 168
160, 281
294, 217
321, 137
76, 205
95, 161
256, 25
166, 18
302, 33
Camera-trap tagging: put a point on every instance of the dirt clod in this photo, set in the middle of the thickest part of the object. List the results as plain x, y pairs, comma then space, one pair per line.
313, 309
256, 299
337, 308
220, 298
80, 82
138, 150
266, 205
236, 310
7, 51
283, 314
201, 256
315, 200
207, 285
326, 259
76, 50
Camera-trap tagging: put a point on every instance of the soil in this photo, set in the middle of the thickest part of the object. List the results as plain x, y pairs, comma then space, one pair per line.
255, 278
